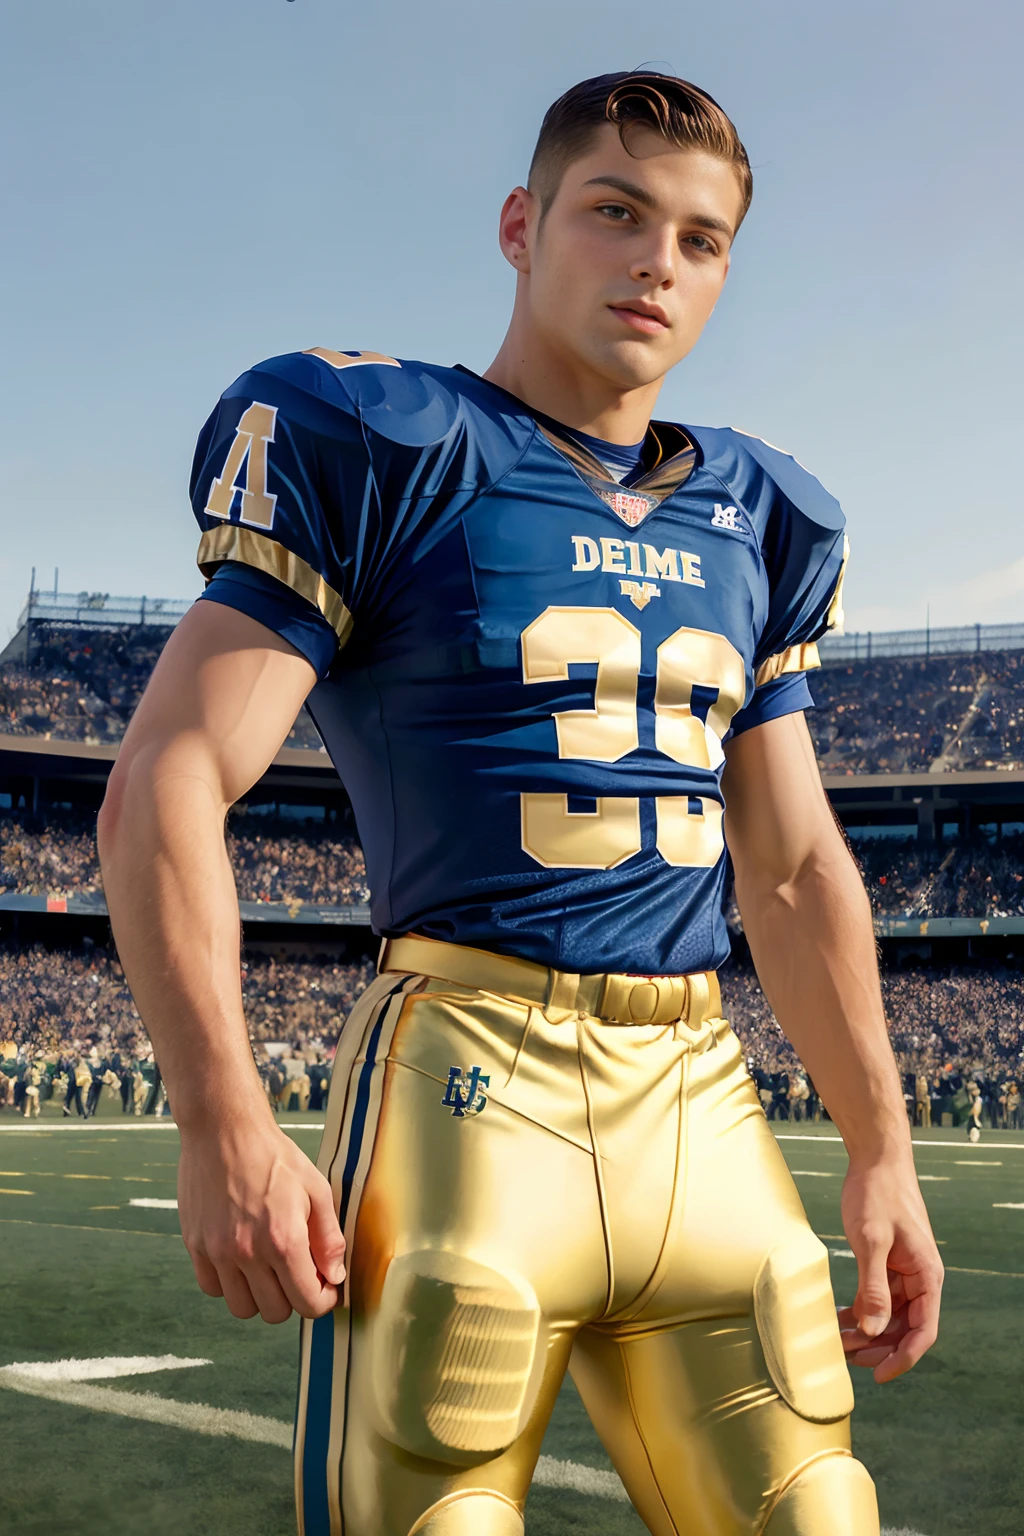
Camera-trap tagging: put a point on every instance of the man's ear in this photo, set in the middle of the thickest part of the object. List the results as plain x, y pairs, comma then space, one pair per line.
515, 227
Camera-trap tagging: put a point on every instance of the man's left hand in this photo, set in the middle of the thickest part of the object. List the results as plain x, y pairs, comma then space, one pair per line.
894, 1319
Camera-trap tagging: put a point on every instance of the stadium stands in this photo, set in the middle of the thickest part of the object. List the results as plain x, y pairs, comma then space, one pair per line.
950, 1023
963, 1016
54, 1001
892, 713
76, 670
972, 878
273, 860
83, 683
919, 715
276, 860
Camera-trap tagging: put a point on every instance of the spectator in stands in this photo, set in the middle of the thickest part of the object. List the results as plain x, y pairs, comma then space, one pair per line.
922, 1099
1013, 1107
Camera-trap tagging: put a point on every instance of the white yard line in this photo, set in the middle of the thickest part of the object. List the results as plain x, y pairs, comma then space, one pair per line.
551, 1473
99, 1369
157, 1410
63, 1381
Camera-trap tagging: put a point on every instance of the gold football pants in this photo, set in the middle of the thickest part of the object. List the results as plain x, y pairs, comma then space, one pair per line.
528, 1182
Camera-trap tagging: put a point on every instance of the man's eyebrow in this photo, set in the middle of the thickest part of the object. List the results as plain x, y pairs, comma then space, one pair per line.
648, 200
638, 194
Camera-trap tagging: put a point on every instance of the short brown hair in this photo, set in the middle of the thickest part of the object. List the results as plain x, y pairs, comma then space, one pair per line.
682, 113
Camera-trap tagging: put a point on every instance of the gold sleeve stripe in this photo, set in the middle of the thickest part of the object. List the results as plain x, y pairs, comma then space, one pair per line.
835, 616
230, 542
798, 658
804, 658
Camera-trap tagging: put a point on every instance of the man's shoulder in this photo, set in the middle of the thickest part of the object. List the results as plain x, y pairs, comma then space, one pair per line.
400, 400
745, 463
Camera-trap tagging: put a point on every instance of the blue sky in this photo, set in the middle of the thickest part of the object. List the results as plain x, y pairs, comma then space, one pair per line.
189, 187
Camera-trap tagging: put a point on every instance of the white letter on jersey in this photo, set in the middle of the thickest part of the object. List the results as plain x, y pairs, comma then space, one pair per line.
253, 435
588, 556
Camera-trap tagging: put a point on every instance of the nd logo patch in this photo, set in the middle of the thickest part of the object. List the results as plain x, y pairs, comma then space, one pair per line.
463, 1094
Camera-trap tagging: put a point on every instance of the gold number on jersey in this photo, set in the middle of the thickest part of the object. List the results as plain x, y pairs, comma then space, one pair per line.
690, 658
253, 436
552, 834
693, 658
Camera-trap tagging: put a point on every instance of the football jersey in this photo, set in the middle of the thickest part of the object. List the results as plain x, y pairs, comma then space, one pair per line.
530, 668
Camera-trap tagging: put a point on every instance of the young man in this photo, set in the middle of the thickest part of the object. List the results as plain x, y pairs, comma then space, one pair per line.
534, 627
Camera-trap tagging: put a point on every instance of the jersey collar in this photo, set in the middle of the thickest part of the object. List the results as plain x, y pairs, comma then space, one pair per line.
675, 455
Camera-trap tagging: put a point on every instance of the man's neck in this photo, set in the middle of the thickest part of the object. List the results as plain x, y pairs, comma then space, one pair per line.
575, 396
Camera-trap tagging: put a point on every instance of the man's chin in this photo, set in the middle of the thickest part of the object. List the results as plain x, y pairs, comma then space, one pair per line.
633, 365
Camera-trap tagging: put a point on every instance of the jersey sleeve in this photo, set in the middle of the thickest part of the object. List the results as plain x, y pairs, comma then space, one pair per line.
307, 474
279, 608
804, 548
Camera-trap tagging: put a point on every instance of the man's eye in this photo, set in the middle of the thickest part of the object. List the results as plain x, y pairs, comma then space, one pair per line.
615, 211
700, 243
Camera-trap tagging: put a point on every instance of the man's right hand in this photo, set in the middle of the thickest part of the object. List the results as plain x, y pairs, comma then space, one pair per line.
259, 1222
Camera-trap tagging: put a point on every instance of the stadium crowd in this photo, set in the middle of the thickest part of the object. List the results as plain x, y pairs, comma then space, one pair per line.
887, 715
895, 715
272, 858
70, 1011
950, 1027
67, 1014
79, 684
974, 877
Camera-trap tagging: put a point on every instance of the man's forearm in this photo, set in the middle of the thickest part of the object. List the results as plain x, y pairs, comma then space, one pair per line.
174, 912
813, 945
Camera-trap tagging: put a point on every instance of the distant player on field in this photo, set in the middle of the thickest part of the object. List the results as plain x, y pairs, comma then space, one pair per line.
545, 639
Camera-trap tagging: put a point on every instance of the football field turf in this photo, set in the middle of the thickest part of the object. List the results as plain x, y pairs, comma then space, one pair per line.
200, 1445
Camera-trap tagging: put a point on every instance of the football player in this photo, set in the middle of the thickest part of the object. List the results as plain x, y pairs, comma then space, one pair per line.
546, 639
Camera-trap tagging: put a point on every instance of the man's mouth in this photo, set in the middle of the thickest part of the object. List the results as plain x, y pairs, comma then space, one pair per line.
646, 318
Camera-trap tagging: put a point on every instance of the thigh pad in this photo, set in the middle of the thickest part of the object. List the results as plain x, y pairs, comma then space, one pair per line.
455, 1358
796, 1321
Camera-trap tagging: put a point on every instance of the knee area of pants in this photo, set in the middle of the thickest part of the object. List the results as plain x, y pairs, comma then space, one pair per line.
834, 1494
456, 1358
796, 1322
472, 1513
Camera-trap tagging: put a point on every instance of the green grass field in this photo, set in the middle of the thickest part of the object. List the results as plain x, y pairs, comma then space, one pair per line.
85, 1273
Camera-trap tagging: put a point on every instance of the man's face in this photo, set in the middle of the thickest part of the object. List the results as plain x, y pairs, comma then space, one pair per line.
628, 263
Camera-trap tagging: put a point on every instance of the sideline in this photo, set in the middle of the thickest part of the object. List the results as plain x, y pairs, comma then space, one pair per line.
963, 1143
62, 1127
161, 1123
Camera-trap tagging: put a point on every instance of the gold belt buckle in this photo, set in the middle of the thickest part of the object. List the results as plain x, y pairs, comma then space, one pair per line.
644, 999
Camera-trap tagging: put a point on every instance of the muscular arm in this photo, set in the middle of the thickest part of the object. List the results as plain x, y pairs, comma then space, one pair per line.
807, 918
256, 1216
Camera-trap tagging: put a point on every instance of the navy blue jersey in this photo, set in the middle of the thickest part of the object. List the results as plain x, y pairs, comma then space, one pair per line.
526, 669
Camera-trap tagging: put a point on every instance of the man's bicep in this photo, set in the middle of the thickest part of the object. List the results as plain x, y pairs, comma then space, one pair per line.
777, 813
222, 699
